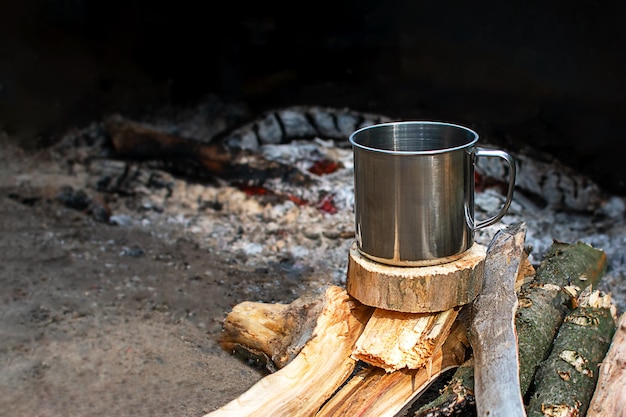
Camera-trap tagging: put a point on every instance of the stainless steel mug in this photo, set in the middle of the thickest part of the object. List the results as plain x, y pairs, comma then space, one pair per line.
414, 191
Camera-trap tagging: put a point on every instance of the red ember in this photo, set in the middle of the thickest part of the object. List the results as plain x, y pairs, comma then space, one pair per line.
324, 166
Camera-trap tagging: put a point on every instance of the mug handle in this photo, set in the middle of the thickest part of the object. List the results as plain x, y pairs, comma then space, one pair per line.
509, 195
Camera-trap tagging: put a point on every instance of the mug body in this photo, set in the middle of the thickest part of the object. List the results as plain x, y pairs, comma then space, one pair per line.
414, 192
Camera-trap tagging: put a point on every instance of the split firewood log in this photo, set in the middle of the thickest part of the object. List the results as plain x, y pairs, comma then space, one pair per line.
275, 332
609, 398
492, 331
394, 340
566, 380
324, 363
543, 303
272, 333
373, 392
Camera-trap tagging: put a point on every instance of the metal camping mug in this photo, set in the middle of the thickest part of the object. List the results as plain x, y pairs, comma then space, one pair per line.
414, 191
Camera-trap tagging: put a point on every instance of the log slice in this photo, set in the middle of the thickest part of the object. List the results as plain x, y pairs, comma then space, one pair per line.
423, 289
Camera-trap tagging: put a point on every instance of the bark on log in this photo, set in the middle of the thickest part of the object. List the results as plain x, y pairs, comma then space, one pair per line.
492, 331
301, 387
609, 399
565, 381
393, 340
457, 396
543, 303
542, 306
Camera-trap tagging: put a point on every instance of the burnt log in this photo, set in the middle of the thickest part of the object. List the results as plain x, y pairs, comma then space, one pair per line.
142, 142
194, 159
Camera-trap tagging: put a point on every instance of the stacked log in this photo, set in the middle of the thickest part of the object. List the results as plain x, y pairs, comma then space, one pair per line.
566, 380
543, 305
302, 386
609, 398
329, 359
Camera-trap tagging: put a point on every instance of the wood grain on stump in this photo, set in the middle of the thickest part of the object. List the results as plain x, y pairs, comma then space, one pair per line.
423, 289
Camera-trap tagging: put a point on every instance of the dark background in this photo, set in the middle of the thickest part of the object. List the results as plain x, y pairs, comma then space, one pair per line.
549, 75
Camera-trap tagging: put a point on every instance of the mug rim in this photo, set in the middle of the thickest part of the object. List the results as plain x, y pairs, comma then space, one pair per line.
416, 152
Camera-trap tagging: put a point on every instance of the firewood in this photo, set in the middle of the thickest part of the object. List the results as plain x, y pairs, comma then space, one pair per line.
393, 340
302, 386
272, 333
609, 398
565, 381
526, 272
456, 397
458, 393
492, 332
543, 304
564, 271
259, 328
376, 393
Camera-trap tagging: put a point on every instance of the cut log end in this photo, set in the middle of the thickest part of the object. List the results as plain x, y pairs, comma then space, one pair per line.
425, 289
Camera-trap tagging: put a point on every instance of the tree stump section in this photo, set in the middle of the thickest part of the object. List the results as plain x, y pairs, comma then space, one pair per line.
424, 289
